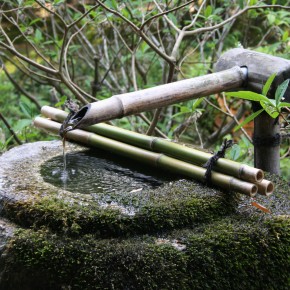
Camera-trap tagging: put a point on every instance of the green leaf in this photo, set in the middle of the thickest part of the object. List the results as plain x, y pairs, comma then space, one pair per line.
285, 36
61, 101
268, 84
235, 152
196, 103
248, 119
34, 21
241, 4
37, 36
21, 124
208, 11
248, 95
270, 109
283, 104
281, 91
26, 110
271, 18
58, 1
172, 18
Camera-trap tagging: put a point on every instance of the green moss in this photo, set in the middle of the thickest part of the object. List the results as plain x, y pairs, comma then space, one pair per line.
182, 236
177, 205
230, 253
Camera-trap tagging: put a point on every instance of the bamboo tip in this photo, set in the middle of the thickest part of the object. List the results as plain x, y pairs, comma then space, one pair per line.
266, 187
253, 191
259, 175
244, 187
44, 109
251, 174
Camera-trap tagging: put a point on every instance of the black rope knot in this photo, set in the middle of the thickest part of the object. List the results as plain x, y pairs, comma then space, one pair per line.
213, 160
271, 141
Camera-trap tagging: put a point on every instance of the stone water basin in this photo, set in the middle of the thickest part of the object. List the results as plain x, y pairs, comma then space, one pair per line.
137, 229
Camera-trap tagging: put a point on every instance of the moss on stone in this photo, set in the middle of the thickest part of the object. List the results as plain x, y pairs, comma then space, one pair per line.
176, 205
182, 235
229, 253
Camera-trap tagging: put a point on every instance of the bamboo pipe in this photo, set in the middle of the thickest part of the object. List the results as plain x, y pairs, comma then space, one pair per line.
265, 187
122, 105
228, 167
154, 159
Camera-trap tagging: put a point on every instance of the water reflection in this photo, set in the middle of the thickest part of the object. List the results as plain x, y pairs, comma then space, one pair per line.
99, 173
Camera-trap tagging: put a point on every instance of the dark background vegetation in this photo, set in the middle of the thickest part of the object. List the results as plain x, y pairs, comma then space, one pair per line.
51, 51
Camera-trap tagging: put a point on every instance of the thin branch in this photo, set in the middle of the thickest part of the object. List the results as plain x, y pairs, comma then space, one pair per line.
235, 118
195, 17
10, 129
21, 89
12, 21
164, 13
140, 33
28, 60
170, 22
219, 25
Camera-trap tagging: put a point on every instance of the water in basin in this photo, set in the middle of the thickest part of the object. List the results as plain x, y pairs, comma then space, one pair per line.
99, 172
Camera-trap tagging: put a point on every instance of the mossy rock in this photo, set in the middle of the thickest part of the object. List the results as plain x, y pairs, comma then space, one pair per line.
31, 202
229, 253
182, 235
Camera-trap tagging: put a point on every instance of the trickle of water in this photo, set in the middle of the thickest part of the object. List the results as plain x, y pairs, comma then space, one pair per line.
64, 174
64, 153
101, 173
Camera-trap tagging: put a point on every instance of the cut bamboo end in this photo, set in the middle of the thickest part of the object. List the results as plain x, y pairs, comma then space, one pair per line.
251, 174
235, 184
265, 187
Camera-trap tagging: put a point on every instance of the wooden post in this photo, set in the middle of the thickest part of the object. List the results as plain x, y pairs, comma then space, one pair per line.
267, 143
260, 67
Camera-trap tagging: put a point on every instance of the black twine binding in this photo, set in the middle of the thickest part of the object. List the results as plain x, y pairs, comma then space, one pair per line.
267, 141
213, 160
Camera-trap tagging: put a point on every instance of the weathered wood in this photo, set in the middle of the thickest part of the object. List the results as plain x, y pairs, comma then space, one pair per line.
260, 67
160, 96
266, 143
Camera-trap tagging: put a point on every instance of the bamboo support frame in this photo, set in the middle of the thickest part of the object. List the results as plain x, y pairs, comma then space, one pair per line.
152, 158
228, 167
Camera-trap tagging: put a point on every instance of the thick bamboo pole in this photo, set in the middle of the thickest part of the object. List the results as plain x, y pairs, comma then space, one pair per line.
228, 167
154, 159
160, 96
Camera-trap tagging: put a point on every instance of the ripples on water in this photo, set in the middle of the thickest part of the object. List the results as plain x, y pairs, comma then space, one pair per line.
99, 173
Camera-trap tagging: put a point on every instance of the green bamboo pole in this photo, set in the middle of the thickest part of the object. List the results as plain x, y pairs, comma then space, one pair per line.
228, 167
154, 159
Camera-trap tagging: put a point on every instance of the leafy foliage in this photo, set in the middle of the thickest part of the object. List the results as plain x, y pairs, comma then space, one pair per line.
91, 50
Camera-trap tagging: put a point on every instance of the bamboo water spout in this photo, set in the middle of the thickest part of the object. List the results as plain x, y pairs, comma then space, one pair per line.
122, 105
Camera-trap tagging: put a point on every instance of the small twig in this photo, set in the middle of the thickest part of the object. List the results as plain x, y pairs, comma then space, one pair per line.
21, 89
10, 129
164, 13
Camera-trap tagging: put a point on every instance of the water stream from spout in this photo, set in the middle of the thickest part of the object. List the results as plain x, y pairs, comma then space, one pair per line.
64, 175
